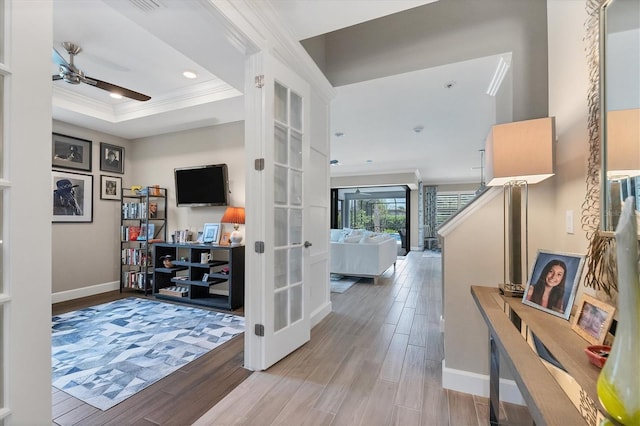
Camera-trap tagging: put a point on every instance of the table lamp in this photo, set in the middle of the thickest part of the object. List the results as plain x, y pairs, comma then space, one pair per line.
518, 154
234, 215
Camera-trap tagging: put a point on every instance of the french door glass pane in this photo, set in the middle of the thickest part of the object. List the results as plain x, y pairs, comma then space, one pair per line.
295, 265
295, 226
296, 111
280, 268
280, 143
280, 107
296, 303
295, 196
295, 150
280, 185
280, 227
281, 309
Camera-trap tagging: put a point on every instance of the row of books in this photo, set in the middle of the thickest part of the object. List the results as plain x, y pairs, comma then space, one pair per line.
135, 256
136, 210
135, 279
137, 233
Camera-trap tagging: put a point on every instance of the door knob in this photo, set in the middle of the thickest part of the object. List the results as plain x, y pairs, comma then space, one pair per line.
307, 244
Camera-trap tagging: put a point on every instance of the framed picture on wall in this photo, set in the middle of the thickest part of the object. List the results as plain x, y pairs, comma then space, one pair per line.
111, 158
553, 282
70, 153
72, 197
110, 188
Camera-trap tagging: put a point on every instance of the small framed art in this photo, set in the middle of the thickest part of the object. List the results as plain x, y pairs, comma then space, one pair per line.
72, 197
211, 233
110, 188
71, 153
593, 319
111, 158
225, 240
553, 282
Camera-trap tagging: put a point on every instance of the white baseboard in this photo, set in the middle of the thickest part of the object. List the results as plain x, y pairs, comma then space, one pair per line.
319, 314
63, 296
478, 384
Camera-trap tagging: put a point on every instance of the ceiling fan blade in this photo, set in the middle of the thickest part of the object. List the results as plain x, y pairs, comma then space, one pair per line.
115, 89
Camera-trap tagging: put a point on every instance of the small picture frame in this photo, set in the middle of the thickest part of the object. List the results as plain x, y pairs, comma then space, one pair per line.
111, 158
70, 153
553, 282
72, 197
225, 240
110, 188
211, 233
205, 277
593, 319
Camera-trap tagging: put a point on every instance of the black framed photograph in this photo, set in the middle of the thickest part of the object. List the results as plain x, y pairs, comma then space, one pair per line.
211, 233
553, 282
593, 319
110, 188
72, 197
111, 158
71, 153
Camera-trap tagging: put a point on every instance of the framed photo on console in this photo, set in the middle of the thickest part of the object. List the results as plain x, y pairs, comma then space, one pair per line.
211, 233
553, 282
593, 319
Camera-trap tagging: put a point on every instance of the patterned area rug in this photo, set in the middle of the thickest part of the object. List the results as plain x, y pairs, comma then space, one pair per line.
340, 283
104, 354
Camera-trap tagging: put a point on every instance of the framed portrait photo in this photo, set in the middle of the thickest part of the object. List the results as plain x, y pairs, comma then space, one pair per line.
593, 319
72, 197
70, 153
225, 240
211, 233
553, 282
111, 158
110, 188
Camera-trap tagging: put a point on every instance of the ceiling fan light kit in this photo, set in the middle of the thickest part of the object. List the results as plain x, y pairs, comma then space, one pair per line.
71, 74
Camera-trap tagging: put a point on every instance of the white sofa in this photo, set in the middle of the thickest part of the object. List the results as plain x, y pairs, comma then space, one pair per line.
361, 253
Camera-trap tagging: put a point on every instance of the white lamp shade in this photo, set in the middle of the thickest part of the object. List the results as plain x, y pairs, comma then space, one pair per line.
520, 151
623, 142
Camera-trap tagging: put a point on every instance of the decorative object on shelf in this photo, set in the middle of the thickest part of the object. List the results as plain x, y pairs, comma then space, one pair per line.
72, 197
597, 354
167, 261
111, 158
593, 319
211, 233
234, 215
518, 154
225, 240
71, 153
110, 188
619, 380
205, 258
554, 281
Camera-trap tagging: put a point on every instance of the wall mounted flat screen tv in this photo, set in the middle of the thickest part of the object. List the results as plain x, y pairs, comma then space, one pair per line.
202, 185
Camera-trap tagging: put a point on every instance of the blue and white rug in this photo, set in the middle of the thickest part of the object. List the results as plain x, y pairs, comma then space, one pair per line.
104, 354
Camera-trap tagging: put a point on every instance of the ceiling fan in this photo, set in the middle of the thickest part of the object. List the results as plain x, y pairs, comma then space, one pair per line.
71, 74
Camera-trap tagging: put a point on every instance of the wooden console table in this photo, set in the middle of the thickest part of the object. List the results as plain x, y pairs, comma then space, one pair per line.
549, 402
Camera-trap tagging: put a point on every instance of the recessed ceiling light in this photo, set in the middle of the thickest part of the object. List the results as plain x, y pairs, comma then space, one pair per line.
369, 161
115, 95
190, 74
418, 128
339, 134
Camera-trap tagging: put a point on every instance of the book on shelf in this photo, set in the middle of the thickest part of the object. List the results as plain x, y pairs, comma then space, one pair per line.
146, 232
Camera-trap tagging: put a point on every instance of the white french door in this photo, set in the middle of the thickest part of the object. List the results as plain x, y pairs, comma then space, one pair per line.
277, 136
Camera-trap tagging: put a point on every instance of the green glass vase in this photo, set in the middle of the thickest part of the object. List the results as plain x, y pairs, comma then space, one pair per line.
619, 380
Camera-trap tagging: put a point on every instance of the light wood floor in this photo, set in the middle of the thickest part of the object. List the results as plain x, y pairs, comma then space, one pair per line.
375, 360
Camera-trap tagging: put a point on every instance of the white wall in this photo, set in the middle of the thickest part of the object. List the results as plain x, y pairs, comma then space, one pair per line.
156, 157
476, 242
